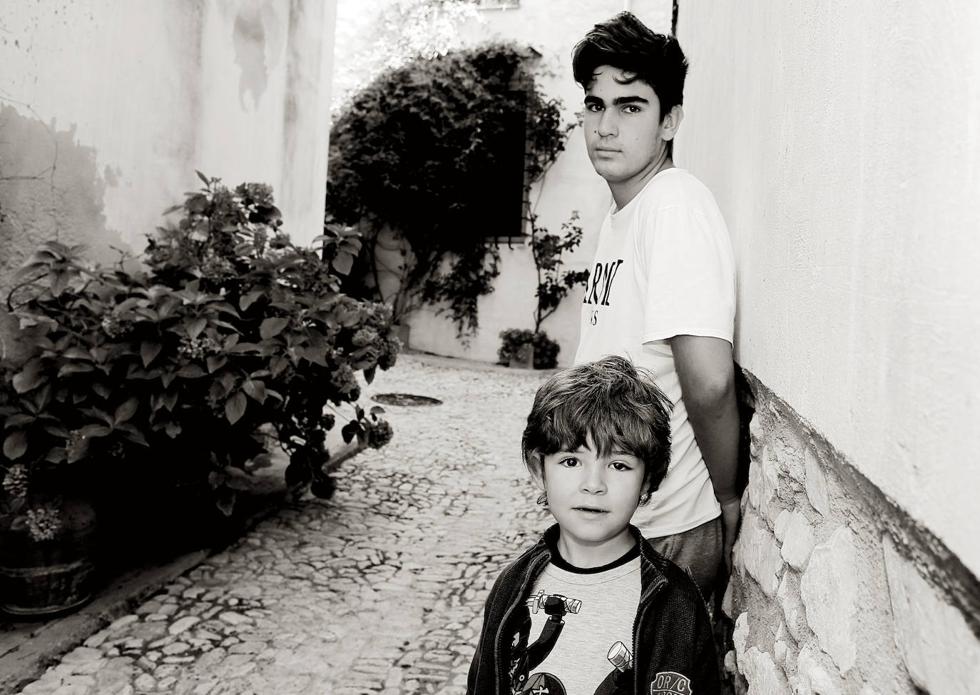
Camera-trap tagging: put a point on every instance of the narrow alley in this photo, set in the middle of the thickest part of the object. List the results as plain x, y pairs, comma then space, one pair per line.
379, 590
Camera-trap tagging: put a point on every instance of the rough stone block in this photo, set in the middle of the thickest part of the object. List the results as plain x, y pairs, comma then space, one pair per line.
781, 632
816, 484
789, 452
740, 635
757, 437
779, 651
762, 673
814, 675
829, 589
763, 484
779, 528
794, 615
798, 541
759, 552
728, 600
940, 651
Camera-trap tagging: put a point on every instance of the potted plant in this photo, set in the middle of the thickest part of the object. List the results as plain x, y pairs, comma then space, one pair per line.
47, 528
517, 348
184, 370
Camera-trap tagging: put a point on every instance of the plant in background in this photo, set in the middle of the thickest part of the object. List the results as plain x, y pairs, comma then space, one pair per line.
554, 284
554, 281
516, 346
228, 339
421, 151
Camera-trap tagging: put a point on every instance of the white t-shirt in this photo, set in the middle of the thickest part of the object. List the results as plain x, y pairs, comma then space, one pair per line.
664, 266
598, 627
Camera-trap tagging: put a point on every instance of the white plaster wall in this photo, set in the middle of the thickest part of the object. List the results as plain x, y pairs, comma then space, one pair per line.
571, 184
158, 89
842, 141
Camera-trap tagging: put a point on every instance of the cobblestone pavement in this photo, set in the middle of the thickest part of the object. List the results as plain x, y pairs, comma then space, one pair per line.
379, 590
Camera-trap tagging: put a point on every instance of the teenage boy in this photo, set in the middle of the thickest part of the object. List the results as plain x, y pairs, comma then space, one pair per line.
662, 287
592, 608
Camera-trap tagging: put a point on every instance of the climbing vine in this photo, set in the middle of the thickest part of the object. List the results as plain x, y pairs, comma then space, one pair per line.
421, 151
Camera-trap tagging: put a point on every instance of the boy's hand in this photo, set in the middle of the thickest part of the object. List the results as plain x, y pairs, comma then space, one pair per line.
731, 512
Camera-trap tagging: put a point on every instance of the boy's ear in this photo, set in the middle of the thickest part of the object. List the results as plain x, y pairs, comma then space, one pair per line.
671, 123
535, 466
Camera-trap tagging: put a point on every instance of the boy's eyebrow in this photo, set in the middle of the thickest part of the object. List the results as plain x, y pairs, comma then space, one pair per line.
618, 101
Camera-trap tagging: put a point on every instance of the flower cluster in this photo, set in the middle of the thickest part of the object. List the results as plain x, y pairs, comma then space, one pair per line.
44, 522
15, 482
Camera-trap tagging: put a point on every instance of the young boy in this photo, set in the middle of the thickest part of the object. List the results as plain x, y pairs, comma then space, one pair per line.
592, 608
662, 288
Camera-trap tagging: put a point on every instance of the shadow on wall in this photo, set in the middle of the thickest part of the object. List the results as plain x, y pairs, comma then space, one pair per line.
50, 188
745, 397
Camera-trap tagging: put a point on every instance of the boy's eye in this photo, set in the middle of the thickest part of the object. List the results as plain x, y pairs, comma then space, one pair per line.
568, 462
593, 107
621, 466
631, 108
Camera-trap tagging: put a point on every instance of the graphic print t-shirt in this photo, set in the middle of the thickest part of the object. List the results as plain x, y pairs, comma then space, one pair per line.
664, 266
597, 611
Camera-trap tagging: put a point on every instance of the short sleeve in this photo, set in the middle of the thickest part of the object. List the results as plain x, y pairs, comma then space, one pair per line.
687, 273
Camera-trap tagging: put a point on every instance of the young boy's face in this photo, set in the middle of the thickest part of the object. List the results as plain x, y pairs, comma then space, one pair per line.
624, 134
592, 498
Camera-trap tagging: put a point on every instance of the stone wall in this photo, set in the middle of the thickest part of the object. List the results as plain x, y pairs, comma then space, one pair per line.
836, 589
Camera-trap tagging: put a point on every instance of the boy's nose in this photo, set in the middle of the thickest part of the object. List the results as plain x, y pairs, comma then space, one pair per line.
607, 124
594, 483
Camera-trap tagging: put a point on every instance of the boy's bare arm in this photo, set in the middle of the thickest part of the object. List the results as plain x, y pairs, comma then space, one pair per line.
706, 373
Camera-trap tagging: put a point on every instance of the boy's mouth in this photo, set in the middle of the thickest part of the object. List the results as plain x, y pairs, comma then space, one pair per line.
590, 510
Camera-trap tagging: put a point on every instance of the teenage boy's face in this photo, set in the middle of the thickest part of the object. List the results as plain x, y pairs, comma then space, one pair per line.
624, 134
592, 498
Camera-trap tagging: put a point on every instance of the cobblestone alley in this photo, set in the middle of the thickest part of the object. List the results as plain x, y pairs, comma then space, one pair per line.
379, 590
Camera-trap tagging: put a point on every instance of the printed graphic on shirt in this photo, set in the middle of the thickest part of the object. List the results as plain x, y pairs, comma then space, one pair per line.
544, 684
526, 658
598, 287
600, 283
670, 683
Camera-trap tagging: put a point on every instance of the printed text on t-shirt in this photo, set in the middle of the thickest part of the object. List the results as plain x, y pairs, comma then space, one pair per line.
600, 283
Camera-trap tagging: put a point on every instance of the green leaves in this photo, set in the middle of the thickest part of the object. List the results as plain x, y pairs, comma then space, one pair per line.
29, 377
255, 389
272, 327
125, 412
15, 445
235, 407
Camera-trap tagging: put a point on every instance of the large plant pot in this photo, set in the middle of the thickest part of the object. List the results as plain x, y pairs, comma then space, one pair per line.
524, 358
40, 578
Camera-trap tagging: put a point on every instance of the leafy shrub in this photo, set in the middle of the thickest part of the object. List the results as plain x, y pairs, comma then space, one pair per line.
228, 339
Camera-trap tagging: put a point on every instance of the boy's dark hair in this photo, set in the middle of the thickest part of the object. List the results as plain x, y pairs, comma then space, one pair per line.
612, 401
626, 43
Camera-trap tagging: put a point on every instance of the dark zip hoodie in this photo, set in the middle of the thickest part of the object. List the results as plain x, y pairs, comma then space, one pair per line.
674, 653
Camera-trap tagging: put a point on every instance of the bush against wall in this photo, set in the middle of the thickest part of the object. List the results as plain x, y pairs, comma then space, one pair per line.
421, 151
227, 340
